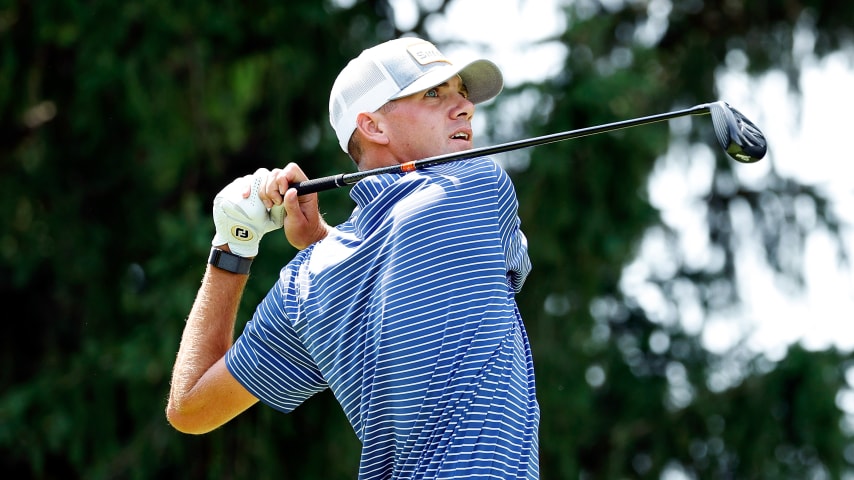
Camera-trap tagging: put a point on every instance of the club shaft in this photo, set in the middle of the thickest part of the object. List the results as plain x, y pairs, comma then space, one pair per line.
346, 179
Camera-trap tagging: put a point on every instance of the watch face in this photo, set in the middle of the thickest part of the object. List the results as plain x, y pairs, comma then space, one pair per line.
229, 262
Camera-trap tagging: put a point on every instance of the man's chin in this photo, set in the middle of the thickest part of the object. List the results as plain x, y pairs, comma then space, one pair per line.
460, 146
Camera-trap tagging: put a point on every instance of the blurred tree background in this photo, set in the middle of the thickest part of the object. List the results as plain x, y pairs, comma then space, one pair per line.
121, 120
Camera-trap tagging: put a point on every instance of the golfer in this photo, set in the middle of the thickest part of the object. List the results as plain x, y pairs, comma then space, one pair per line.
406, 311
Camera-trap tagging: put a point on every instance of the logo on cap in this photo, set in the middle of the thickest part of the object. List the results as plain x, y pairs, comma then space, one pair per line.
425, 53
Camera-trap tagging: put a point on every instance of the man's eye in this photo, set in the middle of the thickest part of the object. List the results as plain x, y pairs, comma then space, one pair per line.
432, 93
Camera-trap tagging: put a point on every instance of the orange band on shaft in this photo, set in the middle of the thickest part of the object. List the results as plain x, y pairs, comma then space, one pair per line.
407, 167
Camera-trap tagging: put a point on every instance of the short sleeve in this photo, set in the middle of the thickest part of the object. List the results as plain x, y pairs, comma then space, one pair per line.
269, 359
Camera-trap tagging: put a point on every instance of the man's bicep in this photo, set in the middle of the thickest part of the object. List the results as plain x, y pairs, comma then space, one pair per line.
217, 398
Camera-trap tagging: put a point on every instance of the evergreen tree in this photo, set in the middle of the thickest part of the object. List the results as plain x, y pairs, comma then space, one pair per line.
121, 120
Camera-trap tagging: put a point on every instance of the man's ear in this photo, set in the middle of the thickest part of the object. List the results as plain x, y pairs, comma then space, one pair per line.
370, 128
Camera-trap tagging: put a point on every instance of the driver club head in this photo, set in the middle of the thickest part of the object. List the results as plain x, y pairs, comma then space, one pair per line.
738, 136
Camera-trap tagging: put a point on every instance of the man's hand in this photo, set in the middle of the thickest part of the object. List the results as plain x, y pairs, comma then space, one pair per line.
303, 223
241, 217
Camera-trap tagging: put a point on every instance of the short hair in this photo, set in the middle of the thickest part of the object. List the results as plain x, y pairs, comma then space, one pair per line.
354, 148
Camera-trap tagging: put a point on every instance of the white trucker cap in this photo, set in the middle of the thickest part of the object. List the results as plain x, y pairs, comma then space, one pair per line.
396, 69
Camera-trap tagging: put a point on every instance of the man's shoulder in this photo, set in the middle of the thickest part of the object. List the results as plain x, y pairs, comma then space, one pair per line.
474, 168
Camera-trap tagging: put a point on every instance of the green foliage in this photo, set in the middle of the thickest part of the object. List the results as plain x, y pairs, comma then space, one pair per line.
126, 118
614, 406
121, 120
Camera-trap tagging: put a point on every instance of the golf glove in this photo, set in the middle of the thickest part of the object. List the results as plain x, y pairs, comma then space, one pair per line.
241, 222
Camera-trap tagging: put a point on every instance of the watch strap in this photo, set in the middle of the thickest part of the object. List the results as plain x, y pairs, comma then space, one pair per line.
229, 262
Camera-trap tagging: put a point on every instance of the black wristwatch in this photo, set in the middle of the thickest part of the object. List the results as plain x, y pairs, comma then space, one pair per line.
229, 261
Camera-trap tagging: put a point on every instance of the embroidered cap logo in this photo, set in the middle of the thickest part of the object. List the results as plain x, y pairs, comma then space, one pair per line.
425, 53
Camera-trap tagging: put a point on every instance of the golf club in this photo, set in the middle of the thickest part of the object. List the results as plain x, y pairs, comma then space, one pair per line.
737, 135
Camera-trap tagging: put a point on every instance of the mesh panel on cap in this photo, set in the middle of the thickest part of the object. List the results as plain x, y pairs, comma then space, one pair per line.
368, 76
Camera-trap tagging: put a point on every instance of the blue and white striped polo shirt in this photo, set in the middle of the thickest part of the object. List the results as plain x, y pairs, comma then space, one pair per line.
406, 312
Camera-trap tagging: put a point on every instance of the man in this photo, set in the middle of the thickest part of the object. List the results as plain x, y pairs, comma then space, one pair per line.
405, 311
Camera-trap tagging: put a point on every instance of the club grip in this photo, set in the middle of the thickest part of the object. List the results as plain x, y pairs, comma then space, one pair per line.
319, 184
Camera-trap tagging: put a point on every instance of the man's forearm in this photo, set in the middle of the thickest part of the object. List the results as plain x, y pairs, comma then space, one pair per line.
209, 331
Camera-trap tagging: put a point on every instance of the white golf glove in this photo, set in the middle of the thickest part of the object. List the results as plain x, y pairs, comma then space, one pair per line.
241, 222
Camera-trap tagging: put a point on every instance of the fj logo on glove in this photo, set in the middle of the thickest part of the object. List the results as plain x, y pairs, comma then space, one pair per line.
241, 233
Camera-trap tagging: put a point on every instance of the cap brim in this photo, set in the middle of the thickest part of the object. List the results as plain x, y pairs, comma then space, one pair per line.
483, 80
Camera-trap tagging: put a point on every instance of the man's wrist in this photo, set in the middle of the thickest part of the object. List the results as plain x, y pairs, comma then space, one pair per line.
225, 260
